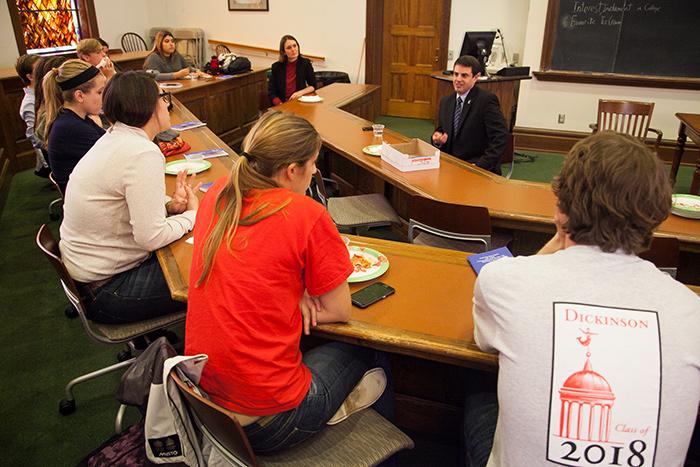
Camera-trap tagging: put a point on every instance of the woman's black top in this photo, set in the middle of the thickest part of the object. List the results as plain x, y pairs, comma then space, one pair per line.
305, 77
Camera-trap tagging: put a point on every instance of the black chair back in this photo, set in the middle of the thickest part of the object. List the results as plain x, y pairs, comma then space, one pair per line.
216, 422
132, 42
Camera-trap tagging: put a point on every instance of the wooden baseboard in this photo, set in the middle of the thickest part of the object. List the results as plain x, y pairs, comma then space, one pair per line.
541, 140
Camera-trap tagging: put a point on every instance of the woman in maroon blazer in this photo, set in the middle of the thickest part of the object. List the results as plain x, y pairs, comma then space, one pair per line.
293, 75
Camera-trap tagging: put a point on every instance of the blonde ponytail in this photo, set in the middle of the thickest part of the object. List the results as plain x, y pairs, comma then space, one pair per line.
276, 141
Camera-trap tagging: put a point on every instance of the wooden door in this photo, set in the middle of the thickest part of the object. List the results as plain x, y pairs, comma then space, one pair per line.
413, 46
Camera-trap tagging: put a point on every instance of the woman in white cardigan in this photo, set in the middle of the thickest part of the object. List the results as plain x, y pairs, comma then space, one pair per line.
115, 211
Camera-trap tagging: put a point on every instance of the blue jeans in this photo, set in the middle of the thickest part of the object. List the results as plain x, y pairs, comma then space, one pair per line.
336, 368
135, 295
480, 417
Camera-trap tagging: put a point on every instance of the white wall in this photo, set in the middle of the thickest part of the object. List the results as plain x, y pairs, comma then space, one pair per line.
331, 28
541, 102
510, 16
8, 45
114, 18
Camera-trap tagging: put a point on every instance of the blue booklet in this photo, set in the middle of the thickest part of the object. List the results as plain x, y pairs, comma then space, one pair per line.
479, 260
188, 125
207, 154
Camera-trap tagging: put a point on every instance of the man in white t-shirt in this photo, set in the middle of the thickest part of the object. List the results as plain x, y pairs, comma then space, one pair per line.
599, 354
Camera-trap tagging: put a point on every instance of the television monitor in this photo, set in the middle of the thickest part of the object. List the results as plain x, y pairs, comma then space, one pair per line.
478, 44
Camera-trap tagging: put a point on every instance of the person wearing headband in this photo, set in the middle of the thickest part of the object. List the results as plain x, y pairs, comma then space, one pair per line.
165, 60
116, 214
93, 52
268, 265
72, 94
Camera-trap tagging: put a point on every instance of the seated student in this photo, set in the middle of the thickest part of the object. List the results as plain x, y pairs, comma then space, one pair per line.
165, 60
92, 51
599, 356
25, 66
43, 66
115, 215
292, 76
72, 94
267, 263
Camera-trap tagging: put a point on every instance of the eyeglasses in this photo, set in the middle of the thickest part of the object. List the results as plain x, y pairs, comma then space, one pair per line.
167, 98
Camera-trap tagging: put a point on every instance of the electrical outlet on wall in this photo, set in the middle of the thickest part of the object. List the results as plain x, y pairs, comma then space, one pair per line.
450, 54
561, 119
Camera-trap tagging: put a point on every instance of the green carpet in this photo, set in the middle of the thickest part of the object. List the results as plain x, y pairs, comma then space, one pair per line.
543, 169
44, 348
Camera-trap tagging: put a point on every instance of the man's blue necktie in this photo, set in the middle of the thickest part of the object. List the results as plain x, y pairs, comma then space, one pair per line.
458, 114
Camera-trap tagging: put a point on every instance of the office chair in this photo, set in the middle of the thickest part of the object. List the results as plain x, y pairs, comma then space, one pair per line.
452, 226
358, 211
101, 333
364, 439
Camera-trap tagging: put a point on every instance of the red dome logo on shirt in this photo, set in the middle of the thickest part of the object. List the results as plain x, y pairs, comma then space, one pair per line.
586, 401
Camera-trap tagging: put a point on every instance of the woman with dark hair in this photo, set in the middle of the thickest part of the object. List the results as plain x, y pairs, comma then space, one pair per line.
269, 264
72, 94
165, 59
293, 75
115, 213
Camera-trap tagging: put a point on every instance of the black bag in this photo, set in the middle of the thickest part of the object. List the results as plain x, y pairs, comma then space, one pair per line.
239, 65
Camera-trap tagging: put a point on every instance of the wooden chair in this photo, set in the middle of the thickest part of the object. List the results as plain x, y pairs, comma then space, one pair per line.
101, 333
664, 252
132, 42
450, 226
52, 215
627, 117
222, 49
364, 439
358, 211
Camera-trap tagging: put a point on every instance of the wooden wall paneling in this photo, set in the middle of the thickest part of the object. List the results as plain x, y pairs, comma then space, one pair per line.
557, 141
373, 33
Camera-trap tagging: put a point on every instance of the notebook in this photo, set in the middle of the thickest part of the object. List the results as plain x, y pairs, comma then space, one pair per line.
480, 260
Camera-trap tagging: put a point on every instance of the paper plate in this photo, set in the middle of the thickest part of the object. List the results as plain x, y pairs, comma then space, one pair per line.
170, 85
309, 99
192, 167
686, 206
368, 263
373, 150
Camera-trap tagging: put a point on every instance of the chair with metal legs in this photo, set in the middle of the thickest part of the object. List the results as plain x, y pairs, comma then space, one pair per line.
101, 333
364, 439
52, 215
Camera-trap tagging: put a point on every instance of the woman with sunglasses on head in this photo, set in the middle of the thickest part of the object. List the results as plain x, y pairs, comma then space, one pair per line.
165, 60
293, 75
72, 94
268, 264
115, 210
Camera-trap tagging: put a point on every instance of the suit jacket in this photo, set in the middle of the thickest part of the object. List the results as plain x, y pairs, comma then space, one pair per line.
305, 77
481, 136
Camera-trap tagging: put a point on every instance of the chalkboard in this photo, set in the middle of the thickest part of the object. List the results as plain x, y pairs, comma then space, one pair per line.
635, 37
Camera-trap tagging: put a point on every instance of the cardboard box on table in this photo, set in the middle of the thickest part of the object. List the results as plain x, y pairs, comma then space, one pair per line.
411, 156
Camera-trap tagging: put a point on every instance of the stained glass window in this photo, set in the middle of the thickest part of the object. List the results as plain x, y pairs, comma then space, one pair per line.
49, 25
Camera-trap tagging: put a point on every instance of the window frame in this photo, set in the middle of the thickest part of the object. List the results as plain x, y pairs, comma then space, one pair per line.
86, 14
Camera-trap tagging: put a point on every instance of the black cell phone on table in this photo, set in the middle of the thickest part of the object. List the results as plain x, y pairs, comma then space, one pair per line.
371, 294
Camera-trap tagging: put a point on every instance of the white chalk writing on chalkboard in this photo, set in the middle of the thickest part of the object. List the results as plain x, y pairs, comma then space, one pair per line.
591, 13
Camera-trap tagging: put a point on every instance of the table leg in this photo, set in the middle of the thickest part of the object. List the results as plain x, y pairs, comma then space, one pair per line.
678, 155
695, 185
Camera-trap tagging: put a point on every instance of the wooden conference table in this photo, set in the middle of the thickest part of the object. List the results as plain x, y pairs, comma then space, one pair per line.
513, 204
434, 326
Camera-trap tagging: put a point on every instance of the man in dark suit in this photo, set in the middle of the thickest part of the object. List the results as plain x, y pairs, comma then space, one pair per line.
471, 125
